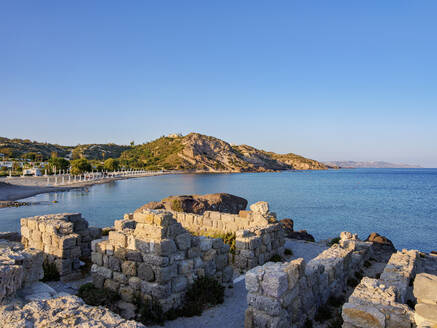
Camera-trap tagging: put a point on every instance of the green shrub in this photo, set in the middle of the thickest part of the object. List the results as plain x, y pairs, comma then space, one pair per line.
50, 272
288, 252
176, 205
150, 311
276, 258
228, 238
333, 241
203, 293
92, 295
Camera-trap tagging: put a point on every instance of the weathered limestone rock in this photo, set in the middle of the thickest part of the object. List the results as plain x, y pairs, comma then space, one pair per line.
19, 267
286, 294
381, 241
198, 204
260, 207
62, 312
381, 303
426, 315
425, 288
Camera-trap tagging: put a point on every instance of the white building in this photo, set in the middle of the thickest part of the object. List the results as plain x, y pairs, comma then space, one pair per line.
7, 164
33, 171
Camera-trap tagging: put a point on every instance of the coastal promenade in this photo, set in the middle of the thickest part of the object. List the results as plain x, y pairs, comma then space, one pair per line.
14, 188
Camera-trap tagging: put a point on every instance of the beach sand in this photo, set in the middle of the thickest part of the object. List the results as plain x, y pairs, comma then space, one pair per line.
15, 188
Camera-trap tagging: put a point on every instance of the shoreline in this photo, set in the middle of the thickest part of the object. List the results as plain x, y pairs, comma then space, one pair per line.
10, 193
16, 189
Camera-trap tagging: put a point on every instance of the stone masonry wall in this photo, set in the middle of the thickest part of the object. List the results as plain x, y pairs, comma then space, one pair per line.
19, 267
151, 254
258, 234
382, 302
63, 238
286, 294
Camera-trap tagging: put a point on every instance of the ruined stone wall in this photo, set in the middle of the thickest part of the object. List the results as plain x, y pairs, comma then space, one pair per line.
258, 234
287, 294
382, 302
256, 246
63, 238
19, 267
425, 291
151, 254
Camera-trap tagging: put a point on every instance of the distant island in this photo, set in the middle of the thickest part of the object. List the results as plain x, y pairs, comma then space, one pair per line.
370, 164
192, 152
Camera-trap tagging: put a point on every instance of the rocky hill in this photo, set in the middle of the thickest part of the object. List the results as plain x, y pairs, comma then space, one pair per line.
200, 152
194, 152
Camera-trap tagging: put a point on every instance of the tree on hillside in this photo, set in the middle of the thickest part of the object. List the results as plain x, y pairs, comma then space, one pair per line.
79, 166
111, 164
59, 162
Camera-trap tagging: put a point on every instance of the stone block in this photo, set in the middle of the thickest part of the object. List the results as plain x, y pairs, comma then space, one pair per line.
117, 238
98, 280
185, 266
426, 313
129, 268
165, 274
119, 277
221, 261
205, 243
183, 241
164, 248
159, 291
275, 283
111, 285
97, 258
156, 260
132, 255
104, 272
193, 252
363, 316
179, 284
114, 264
145, 272
127, 294
425, 288
209, 255
263, 303
135, 283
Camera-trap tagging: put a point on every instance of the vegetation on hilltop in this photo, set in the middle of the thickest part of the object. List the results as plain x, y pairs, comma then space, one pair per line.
175, 152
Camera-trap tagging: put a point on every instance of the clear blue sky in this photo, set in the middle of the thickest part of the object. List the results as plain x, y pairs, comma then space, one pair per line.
331, 80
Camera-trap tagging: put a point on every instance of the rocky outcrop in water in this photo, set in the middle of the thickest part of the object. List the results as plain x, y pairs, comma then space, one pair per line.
288, 227
381, 242
198, 204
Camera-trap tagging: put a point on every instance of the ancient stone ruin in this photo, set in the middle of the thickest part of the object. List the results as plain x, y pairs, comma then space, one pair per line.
151, 254
259, 236
287, 294
19, 267
382, 302
63, 239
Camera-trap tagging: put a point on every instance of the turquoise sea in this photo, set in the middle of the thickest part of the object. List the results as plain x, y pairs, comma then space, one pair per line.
398, 203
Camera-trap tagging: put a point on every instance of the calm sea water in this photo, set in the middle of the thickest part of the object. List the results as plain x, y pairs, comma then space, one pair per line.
398, 203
